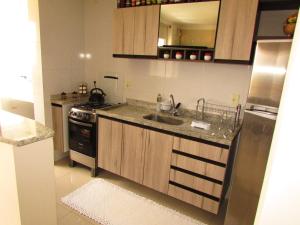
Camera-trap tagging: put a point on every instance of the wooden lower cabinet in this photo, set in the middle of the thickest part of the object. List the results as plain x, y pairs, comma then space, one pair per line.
194, 199
57, 121
190, 171
109, 145
133, 153
197, 173
158, 151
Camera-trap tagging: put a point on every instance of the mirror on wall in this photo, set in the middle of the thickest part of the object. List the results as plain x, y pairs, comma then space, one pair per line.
189, 24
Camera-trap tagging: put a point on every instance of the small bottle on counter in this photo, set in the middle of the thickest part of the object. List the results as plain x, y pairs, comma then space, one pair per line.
128, 3
158, 102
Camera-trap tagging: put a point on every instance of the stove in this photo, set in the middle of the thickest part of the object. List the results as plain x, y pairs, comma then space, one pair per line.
82, 126
86, 112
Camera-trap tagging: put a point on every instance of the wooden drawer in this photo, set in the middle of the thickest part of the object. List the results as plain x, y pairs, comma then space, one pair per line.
199, 149
198, 166
194, 199
196, 183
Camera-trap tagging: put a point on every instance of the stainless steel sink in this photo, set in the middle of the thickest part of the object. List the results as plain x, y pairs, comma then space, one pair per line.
163, 119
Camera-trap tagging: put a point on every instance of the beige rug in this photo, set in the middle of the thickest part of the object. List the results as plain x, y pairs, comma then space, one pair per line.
109, 204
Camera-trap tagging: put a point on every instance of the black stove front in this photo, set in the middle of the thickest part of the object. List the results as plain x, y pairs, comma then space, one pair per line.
82, 137
82, 127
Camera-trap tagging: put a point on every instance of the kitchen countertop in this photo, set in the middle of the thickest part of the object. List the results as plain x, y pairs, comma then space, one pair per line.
57, 99
19, 131
133, 111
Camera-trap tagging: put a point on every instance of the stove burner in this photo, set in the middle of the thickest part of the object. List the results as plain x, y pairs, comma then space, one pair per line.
92, 106
86, 112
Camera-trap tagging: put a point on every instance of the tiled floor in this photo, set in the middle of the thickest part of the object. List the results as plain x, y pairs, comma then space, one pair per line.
68, 179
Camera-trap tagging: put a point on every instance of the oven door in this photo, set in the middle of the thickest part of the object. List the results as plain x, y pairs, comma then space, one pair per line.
82, 137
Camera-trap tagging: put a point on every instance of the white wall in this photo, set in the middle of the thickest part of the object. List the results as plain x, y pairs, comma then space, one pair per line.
20, 56
279, 201
144, 79
61, 41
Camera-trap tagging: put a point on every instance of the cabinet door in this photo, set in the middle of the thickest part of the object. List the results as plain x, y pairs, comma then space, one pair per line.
109, 145
57, 121
140, 30
236, 29
152, 28
135, 30
118, 31
128, 33
133, 153
157, 161
123, 31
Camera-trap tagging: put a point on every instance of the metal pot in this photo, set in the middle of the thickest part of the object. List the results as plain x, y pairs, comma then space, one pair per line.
97, 95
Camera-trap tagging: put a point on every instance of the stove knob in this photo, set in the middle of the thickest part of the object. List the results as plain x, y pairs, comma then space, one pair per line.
75, 114
87, 117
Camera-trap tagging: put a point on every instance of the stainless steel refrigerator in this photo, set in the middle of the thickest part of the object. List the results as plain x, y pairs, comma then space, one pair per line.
269, 69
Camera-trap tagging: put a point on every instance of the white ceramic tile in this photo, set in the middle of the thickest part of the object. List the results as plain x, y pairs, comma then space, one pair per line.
73, 219
62, 211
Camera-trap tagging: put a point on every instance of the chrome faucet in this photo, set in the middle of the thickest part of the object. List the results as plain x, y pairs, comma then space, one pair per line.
174, 108
197, 108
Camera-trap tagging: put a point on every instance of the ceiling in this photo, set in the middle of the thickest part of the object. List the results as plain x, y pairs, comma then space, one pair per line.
200, 13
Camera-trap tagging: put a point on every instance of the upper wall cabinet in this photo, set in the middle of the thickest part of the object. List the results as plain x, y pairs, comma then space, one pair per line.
211, 30
236, 29
135, 31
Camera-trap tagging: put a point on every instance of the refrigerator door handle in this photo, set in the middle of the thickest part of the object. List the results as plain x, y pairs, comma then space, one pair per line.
267, 115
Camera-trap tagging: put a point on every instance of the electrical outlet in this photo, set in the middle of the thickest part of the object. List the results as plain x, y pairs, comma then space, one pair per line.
127, 84
235, 99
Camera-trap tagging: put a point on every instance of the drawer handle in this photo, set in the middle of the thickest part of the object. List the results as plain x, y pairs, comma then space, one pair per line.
197, 175
195, 191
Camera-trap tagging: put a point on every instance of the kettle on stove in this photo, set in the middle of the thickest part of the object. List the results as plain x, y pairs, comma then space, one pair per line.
97, 95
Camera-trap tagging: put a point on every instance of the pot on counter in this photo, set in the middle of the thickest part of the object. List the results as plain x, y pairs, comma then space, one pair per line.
97, 95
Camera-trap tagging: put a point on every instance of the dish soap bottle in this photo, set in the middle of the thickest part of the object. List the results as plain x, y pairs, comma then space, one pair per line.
158, 102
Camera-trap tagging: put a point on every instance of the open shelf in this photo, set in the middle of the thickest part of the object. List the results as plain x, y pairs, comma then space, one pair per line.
122, 3
186, 53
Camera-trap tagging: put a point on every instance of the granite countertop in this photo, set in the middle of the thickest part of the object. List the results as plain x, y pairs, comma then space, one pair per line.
69, 99
220, 132
19, 131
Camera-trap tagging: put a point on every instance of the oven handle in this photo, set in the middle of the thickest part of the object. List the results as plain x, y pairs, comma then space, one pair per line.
80, 123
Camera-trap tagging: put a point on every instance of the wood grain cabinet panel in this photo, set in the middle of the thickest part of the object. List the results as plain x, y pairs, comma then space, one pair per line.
123, 31
118, 31
57, 122
152, 29
109, 145
199, 149
196, 183
157, 160
140, 30
128, 30
199, 167
135, 30
194, 199
236, 29
132, 165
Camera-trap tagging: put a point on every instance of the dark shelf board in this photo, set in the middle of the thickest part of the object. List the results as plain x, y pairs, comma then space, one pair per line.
186, 60
273, 38
279, 5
